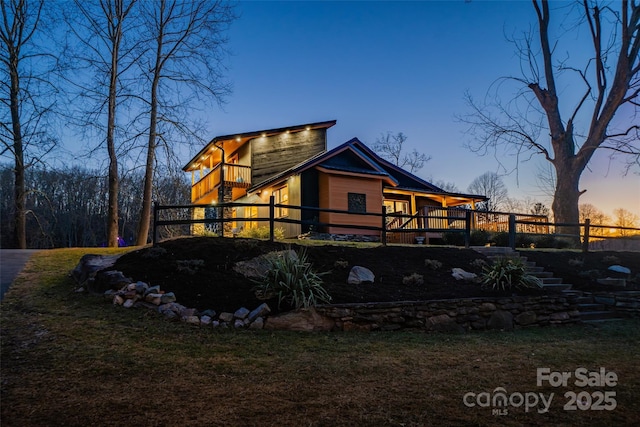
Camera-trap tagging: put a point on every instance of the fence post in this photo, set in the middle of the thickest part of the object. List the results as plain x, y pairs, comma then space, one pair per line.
467, 229
512, 231
272, 213
383, 236
585, 238
154, 235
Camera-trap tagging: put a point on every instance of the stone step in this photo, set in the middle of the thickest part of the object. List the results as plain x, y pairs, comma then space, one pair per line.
534, 269
585, 300
619, 283
556, 286
550, 280
596, 321
600, 315
495, 249
601, 299
582, 307
545, 275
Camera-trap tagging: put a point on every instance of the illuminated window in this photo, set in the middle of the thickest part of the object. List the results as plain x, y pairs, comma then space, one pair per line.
357, 202
251, 212
281, 196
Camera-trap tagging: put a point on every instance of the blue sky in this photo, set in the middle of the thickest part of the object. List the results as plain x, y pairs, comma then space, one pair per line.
392, 66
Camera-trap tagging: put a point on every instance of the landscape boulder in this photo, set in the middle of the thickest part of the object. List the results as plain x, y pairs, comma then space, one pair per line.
305, 320
89, 265
619, 272
105, 280
258, 267
359, 275
501, 320
460, 274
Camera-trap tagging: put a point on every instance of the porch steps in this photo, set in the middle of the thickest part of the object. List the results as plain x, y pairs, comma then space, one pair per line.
593, 310
548, 281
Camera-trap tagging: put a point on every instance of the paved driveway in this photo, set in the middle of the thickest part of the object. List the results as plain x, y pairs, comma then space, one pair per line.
12, 261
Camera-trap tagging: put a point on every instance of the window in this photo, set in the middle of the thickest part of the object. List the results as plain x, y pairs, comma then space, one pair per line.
357, 202
281, 196
399, 208
251, 212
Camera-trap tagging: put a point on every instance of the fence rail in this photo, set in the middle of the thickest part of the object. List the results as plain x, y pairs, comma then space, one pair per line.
403, 228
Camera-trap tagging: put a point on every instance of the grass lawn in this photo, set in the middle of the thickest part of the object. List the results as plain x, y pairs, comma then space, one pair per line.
75, 360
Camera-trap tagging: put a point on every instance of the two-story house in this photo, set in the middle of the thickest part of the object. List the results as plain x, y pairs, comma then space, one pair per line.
293, 165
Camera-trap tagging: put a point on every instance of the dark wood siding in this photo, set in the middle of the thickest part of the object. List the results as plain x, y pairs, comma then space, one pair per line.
274, 154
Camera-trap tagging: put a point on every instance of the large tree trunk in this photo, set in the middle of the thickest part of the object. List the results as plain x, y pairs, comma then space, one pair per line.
567, 193
112, 212
19, 230
145, 214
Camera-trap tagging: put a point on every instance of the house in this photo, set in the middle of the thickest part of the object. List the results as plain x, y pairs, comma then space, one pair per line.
292, 164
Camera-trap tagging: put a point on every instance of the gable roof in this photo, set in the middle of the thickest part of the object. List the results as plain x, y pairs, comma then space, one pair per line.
346, 157
245, 136
355, 157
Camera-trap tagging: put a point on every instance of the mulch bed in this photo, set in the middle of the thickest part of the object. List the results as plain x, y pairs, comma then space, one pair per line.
212, 284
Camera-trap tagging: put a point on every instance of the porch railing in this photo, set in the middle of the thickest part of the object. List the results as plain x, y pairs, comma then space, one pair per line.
431, 221
235, 176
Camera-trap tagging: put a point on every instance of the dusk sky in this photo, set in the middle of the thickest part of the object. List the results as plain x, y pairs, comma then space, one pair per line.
393, 66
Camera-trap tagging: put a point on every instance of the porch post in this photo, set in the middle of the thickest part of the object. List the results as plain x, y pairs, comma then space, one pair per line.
272, 214
585, 238
512, 231
383, 236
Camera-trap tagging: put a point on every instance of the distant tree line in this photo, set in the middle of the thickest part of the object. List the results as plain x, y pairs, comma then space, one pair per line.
68, 207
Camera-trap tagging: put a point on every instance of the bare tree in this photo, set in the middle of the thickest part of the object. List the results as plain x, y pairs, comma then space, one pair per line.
539, 208
448, 186
595, 216
609, 80
490, 184
183, 56
103, 31
390, 147
625, 218
27, 93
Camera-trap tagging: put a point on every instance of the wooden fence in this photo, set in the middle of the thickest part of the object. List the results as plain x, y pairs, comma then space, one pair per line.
402, 228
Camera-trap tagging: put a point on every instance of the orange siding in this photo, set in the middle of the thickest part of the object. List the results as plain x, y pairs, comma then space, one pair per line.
334, 191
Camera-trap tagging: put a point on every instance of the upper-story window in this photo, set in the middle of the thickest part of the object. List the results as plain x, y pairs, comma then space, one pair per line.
281, 196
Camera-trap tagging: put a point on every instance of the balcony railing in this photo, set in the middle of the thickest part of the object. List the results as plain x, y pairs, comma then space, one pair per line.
235, 176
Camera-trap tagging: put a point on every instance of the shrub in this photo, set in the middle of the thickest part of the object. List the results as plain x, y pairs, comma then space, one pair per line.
261, 233
340, 263
507, 273
154, 252
414, 279
208, 233
478, 264
292, 280
189, 266
575, 262
590, 274
479, 237
500, 239
433, 264
611, 259
453, 238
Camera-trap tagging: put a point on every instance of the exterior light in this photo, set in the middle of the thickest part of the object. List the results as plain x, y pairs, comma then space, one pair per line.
238, 139
308, 128
264, 135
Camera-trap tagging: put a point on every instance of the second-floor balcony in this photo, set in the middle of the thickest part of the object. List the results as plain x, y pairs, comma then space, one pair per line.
235, 176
